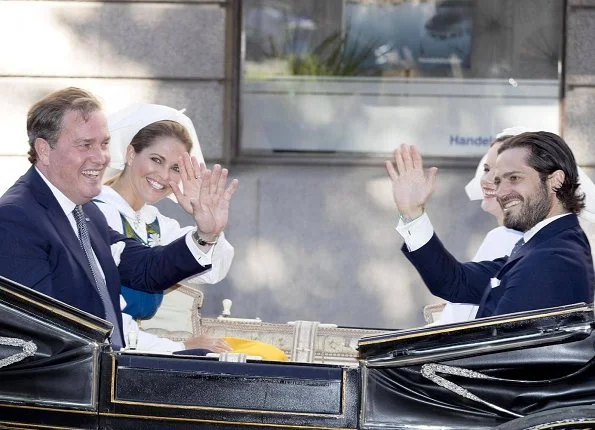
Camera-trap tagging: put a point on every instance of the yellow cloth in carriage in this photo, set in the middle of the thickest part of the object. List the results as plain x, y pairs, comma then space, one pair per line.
255, 348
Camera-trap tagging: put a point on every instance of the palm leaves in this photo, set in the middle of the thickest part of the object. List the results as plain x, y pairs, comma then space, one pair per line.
336, 55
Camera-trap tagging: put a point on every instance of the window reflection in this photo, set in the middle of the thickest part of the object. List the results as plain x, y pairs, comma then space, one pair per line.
364, 75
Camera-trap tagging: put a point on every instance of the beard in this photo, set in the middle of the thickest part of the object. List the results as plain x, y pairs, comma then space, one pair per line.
534, 209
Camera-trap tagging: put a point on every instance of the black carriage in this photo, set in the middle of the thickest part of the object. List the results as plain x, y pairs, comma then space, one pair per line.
519, 371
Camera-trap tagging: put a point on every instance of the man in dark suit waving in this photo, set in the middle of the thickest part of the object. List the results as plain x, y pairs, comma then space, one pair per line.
537, 187
54, 240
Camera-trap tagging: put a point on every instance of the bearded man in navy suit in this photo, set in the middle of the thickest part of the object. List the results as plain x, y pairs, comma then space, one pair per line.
538, 189
42, 228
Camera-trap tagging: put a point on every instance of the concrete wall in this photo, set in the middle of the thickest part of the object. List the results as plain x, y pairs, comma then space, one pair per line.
579, 85
318, 242
313, 241
171, 53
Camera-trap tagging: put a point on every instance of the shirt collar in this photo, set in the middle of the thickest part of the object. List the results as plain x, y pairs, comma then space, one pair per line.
147, 213
65, 203
541, 224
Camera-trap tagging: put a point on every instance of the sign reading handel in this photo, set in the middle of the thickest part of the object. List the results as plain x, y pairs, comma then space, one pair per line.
471, 140
444, 117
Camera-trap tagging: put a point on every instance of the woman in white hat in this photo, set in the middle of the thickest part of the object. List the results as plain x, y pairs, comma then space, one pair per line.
147, 143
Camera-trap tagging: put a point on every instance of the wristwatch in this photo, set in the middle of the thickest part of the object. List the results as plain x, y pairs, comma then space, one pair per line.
201, 241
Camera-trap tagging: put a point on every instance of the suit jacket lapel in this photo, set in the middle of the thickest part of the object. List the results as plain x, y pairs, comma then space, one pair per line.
58, 218
550, 230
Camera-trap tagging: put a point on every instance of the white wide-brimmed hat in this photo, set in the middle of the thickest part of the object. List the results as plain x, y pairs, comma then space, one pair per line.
126, 123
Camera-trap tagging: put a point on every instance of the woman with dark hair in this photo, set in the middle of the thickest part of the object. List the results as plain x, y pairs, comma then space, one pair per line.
151, 144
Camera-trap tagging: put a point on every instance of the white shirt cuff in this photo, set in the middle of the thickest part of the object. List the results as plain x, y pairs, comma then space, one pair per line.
117, 249
202, 258
417, 232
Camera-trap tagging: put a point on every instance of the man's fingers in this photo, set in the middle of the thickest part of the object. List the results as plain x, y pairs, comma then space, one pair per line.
392, 173
432, 177
399, 160
406, 155
416, 158
233, 186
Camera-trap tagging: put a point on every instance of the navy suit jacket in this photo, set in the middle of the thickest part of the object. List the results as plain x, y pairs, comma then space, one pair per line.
553, 268
39, 249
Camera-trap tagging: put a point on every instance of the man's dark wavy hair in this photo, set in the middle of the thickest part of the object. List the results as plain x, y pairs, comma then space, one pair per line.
548, 152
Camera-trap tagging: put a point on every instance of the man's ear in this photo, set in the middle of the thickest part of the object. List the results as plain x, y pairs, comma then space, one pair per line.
42, 149
555, 180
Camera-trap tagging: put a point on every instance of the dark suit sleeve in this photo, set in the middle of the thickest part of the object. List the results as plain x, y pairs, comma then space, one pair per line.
448, 278
156, 268
24, 251
545, 279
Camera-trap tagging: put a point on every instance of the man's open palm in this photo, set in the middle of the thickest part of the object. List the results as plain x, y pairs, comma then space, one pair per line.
411, 186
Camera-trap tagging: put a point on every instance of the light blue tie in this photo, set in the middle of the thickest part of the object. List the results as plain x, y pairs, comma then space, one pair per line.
110, 313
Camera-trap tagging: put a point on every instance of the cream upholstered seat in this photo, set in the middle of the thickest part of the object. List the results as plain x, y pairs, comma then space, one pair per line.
178, 317
448, 313
301, 341
307, 341
432, 312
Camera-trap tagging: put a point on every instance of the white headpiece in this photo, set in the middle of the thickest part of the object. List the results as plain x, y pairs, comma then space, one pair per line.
513, 131
126, 123
474, 192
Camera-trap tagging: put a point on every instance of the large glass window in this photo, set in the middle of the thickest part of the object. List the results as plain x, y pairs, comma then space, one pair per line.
363, 76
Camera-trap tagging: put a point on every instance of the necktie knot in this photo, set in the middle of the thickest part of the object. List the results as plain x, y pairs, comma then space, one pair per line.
79, 215
517, 247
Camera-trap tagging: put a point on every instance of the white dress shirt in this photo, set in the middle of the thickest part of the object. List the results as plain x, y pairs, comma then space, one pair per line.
68, 206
